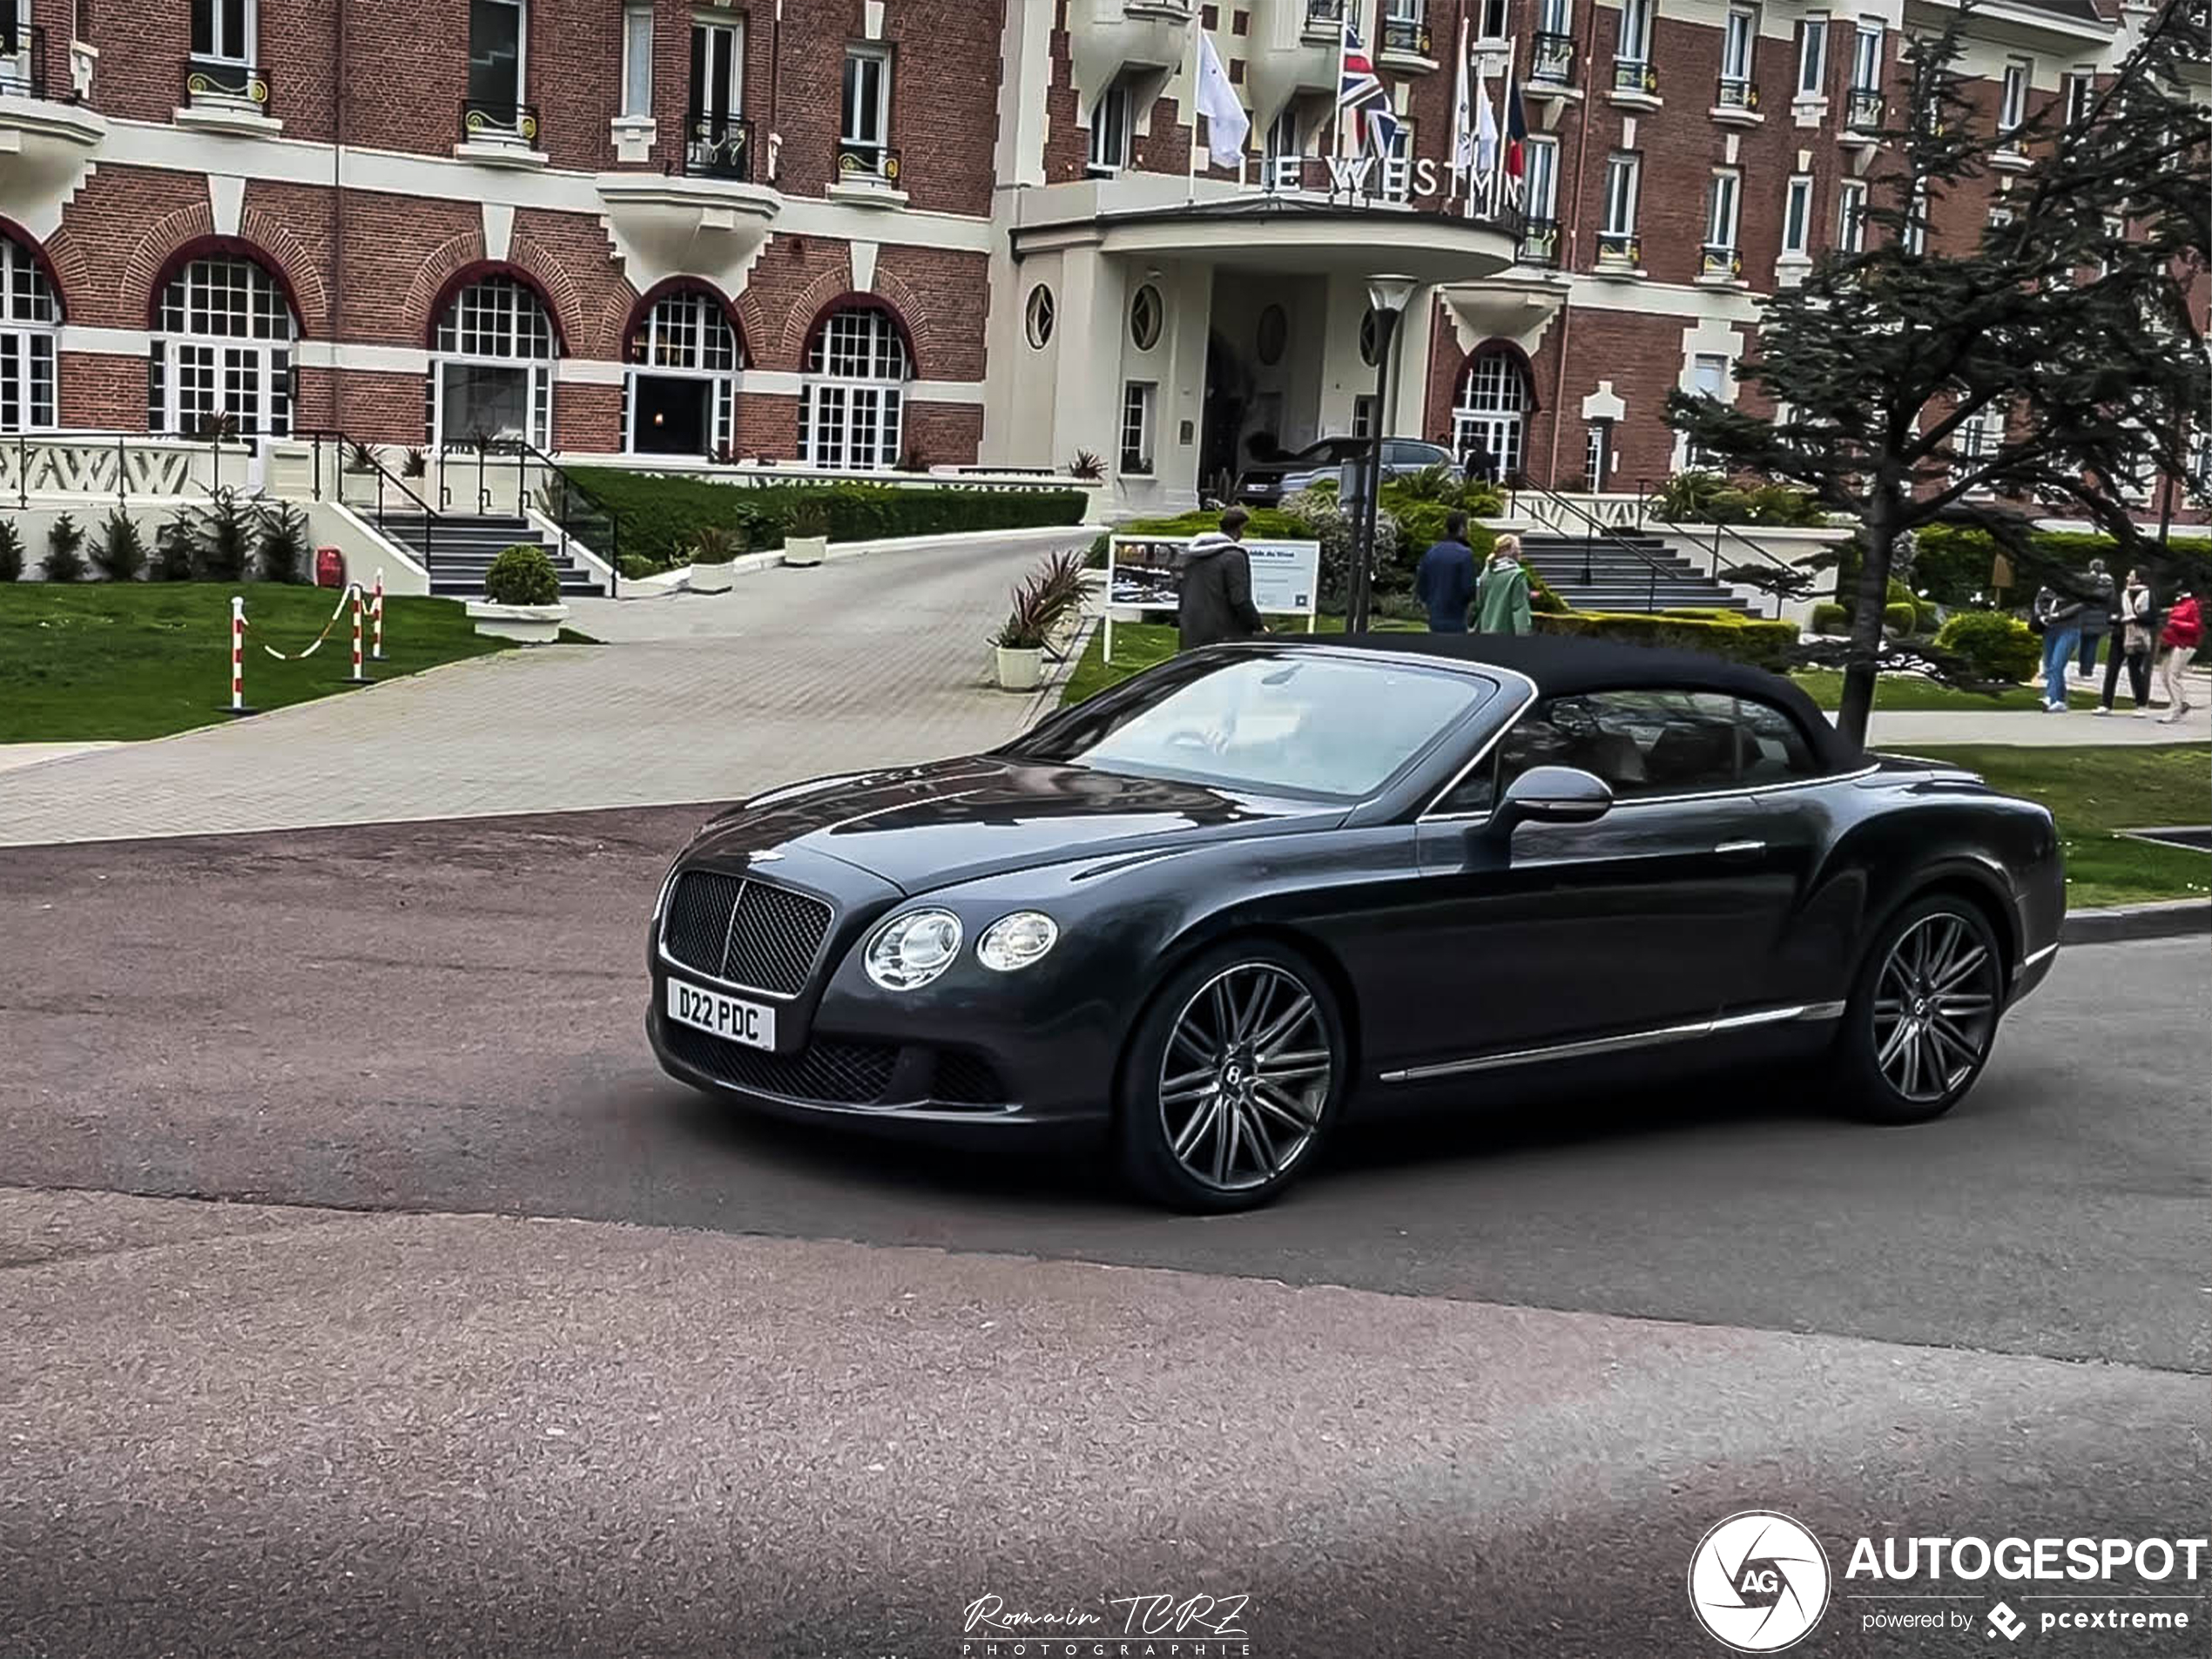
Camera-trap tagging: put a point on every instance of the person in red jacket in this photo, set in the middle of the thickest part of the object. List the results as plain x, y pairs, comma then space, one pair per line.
2184, 628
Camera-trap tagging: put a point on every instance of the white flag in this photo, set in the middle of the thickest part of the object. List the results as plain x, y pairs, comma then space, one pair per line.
1462, 117
1227, 124
1486, 132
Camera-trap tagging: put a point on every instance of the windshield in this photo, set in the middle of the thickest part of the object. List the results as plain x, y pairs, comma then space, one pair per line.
1318, 725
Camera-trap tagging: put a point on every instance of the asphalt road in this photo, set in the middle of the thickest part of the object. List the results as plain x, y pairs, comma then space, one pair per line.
1476, 1387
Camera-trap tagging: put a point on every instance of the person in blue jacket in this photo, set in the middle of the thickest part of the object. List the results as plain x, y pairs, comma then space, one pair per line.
1445, 581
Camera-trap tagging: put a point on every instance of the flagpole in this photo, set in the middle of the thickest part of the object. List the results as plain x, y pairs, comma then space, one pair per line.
1462, 117
1198, 70
1344, 61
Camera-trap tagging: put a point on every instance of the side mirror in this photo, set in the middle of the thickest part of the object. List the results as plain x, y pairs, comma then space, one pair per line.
1552, 795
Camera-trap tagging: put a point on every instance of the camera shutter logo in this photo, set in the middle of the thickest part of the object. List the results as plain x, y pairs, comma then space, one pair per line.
1758, 1581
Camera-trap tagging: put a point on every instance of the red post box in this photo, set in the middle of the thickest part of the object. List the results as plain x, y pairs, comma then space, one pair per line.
330, 567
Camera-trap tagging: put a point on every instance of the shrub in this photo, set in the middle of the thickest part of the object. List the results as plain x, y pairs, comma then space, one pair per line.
1088, 466
1322, 517
661, 517
716, 545
1710, 498
121, 551
521, 575
1763, 644
1829, 617
284, 543
1900, 619
10, 551
1996, 645
64, 554
173, 552
1035, 611
806, 519
414, 464
222, 538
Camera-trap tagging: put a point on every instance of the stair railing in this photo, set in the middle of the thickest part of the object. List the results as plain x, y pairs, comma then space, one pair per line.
1559, 504
1648, 502
388, 484
573, 510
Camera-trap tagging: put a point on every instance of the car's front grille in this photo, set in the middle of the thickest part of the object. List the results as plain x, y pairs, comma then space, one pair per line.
744, 931
828, 1068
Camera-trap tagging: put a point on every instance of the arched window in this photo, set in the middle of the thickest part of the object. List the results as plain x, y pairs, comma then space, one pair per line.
1492, 404
680, 394
29, 313
851, 401
223, 355
491, 366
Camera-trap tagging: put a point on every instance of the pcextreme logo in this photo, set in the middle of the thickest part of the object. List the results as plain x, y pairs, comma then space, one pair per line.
1758, 1581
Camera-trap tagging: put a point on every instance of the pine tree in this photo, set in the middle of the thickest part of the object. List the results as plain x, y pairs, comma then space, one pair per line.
2051, 368
64, 551
121, 550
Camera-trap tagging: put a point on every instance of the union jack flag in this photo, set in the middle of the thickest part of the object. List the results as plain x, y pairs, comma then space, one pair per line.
1360, 93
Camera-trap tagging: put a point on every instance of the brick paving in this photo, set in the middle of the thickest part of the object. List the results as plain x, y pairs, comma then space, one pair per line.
875, 661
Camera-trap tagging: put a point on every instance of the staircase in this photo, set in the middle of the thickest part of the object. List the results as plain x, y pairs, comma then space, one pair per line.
1621, 574
462, 551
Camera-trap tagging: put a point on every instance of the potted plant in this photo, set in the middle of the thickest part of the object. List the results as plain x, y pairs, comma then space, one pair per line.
1088, 466
1020, 640
1062, 587
415, 464
714, 551
806, 534
359, 458
521, 598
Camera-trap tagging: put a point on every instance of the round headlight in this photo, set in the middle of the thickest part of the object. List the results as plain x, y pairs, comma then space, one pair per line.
1016, 941
909, 951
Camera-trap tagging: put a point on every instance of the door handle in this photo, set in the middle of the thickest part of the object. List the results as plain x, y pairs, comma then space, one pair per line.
1740, 849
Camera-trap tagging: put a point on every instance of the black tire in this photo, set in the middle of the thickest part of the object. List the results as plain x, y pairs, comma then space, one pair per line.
1263, 1101
1913, 1042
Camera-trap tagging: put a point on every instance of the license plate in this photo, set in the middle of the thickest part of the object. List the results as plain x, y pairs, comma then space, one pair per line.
729, 1017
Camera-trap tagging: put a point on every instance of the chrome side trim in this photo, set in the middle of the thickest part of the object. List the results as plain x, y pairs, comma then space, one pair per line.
1658, 1036
2044, 954
1741, 846
1627, 803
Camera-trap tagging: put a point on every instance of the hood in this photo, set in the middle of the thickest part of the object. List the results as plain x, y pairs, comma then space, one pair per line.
1205, 546
922, 827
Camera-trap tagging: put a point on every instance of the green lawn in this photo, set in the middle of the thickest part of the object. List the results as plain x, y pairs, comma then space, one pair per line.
2093, 791
1899, 691
94, 660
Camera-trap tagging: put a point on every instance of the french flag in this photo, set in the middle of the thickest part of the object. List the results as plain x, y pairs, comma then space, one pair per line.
1516, 139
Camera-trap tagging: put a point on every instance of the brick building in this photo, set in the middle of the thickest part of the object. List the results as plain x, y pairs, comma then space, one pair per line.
867, 233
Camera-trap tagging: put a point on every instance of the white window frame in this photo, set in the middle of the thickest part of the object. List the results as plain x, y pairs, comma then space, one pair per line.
1635, 32
2079, 92
1555, 16
1396, 172
637, 62
1724, 208
1869, 40
30, 331
1721, 391
1112, 131
2012, 101
515, 346
1916, 206
1618, 210
521, 47
1597, 454
687, 336
1491, 403
1796, 217
198, 367
1494, 20
1542, 176
855, 113
1140, 412
1977, 438
704, 32
1812, 57
1851, 215
1739, 43
222, 52
853, 399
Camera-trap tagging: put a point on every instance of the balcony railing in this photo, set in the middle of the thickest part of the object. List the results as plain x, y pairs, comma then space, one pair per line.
1408, 35
1738, 92
1720, 261
209, 77
1551, 61
1324, 14
868, 164
1863, 108
22, 61
1539, 243
718, 144
498, 121
1619, 247
1636, 75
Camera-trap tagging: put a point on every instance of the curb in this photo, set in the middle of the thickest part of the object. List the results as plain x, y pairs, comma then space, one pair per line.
667, 583
2167, 920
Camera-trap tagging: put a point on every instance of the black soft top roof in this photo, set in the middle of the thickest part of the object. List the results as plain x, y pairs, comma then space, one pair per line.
1562, 666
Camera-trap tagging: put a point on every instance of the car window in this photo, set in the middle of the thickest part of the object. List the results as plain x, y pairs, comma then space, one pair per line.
1312, 725
1777, 750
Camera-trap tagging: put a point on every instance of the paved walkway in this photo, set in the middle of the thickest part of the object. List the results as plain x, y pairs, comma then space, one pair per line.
13, 755
1903, 728
794, 673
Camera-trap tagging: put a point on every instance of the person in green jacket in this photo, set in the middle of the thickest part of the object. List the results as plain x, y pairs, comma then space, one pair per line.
1501, 596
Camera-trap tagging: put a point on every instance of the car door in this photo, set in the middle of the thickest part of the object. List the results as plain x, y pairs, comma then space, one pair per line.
1655, 917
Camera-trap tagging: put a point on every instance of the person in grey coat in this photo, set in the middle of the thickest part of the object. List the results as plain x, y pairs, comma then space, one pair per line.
1216, 602
2097, 620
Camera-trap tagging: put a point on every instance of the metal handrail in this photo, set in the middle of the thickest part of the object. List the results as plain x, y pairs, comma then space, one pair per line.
1647, 498
1522, 482
526, 453
431, 519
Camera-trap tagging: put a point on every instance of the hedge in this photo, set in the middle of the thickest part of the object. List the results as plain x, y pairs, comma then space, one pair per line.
661, 517
1763, 644
1999, 645
1952, 563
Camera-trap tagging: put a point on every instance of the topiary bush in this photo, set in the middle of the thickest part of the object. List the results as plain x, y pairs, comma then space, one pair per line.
64, 554
10, 551
1829, 617
521, 575
1997, 646
121, 551
1763, 644
1900, 619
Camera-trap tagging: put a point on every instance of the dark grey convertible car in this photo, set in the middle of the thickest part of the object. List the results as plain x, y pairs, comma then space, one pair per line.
1263, 886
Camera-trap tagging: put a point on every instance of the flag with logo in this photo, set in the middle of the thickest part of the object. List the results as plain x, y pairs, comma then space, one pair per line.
1362, 96
1227, 125
1462, 119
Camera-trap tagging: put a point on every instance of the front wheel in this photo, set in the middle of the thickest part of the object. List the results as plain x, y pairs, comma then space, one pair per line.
1923, 1017
1232, 1080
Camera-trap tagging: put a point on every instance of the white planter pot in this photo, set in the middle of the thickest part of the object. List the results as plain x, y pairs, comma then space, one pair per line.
805, 550
712, 578
532, 624
1020, 671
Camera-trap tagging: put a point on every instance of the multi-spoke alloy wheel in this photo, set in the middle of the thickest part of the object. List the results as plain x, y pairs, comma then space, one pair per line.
1924, 1013
1232, 1080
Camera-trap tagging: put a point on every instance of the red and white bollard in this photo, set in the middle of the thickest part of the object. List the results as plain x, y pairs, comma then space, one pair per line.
358, 677
238, 654
376, 614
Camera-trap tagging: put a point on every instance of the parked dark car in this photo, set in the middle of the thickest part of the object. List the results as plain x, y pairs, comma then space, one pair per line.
1268, 484
1216, 908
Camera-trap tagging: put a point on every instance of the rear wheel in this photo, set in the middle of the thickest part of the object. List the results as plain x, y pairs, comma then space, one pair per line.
1923, 1017
1232, 1080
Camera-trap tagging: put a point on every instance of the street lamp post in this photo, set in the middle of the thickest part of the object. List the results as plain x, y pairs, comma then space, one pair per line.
1387, 297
